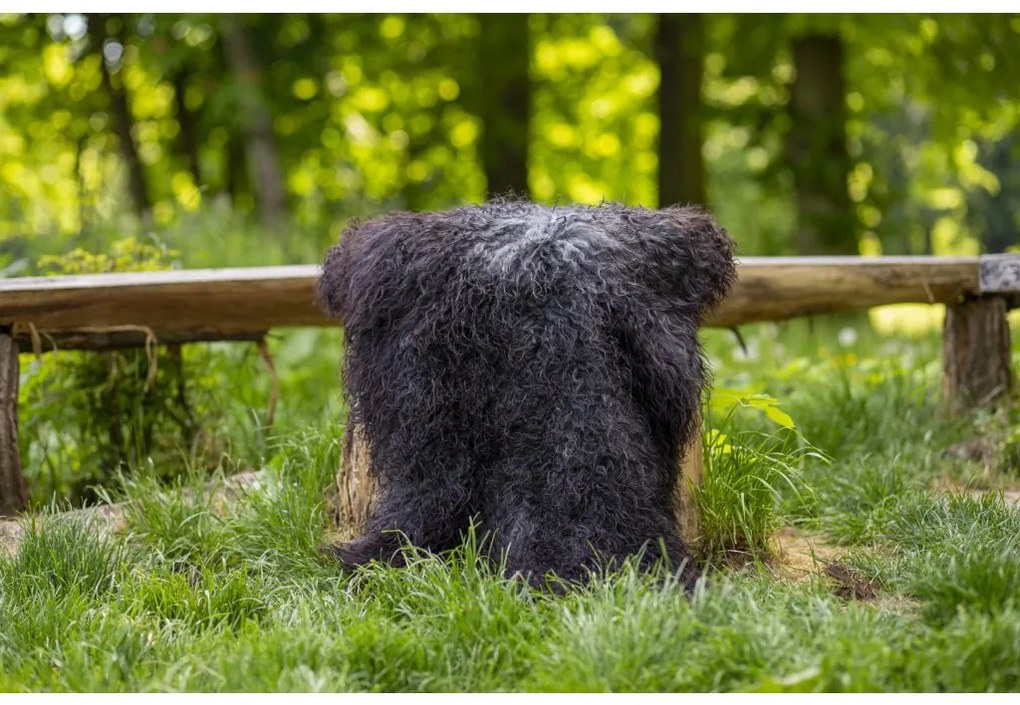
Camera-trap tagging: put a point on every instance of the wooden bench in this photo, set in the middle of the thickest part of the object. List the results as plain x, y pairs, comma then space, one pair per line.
104, 311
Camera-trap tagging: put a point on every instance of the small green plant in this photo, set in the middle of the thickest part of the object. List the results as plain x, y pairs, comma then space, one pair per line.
746, 472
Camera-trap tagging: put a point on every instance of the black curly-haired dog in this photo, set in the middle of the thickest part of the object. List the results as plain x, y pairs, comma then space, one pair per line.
534, 369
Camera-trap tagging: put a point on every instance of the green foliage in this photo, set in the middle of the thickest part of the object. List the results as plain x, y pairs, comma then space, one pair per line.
377, 112
982, 578
126, 255
197, 598
213, 587
745, 474
62, 557
87, 414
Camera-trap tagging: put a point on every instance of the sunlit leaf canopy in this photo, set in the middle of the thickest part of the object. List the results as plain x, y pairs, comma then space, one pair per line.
369, 113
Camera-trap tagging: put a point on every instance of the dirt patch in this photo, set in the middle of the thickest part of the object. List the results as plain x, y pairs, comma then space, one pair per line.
983, 451
852, 584
797, 555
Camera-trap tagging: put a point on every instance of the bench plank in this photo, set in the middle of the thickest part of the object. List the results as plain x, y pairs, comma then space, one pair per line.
239, 301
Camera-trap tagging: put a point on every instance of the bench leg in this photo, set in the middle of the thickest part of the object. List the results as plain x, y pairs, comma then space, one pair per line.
975, 353
692, 473
13, 490
357, 488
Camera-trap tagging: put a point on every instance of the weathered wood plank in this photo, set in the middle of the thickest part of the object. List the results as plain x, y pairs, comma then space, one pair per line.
231, 300
260, 298
780, 288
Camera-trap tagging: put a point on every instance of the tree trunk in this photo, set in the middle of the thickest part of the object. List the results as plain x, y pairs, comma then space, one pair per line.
188, 135
256, 122
236, 170
999, 209
816, 148
976, 367
13, 490
680, 50
123, 122
504, 57
79, 177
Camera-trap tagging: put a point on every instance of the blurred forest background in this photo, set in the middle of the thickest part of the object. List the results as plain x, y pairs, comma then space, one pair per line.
253, 139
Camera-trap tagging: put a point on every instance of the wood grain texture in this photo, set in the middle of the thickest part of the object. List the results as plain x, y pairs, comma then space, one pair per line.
231, 300
777, 288
976, 363
358, 489
692, 475
13, 490
239, 301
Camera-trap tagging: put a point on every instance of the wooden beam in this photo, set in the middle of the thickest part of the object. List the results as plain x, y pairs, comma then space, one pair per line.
13, 490
777, 288
230, 300
1000, 274
238, 301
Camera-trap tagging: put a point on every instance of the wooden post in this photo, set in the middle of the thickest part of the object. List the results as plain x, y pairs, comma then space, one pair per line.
975, 353
13, 490
357, 488
692, 474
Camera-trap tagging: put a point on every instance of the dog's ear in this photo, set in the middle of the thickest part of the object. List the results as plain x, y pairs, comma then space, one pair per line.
333, 290
350, 266
690, 256
367, 269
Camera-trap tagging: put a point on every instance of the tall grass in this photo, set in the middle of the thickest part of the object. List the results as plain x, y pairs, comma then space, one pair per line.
739, 499
213, 588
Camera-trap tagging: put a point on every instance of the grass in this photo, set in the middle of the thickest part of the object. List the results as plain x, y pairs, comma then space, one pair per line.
214, 588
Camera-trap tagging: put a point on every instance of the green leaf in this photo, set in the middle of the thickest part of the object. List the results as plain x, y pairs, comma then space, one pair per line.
780, 417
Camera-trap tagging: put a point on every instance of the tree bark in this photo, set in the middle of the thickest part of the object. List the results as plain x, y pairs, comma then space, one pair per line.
13, 490
123, 122
816, 148
188, 135
504, 57
256, 122
975, 354
680, 51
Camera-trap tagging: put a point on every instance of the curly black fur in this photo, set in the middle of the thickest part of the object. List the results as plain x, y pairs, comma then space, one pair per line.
534, 369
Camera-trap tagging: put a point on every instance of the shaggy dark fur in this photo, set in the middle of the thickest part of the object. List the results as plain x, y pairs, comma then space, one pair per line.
534, 369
